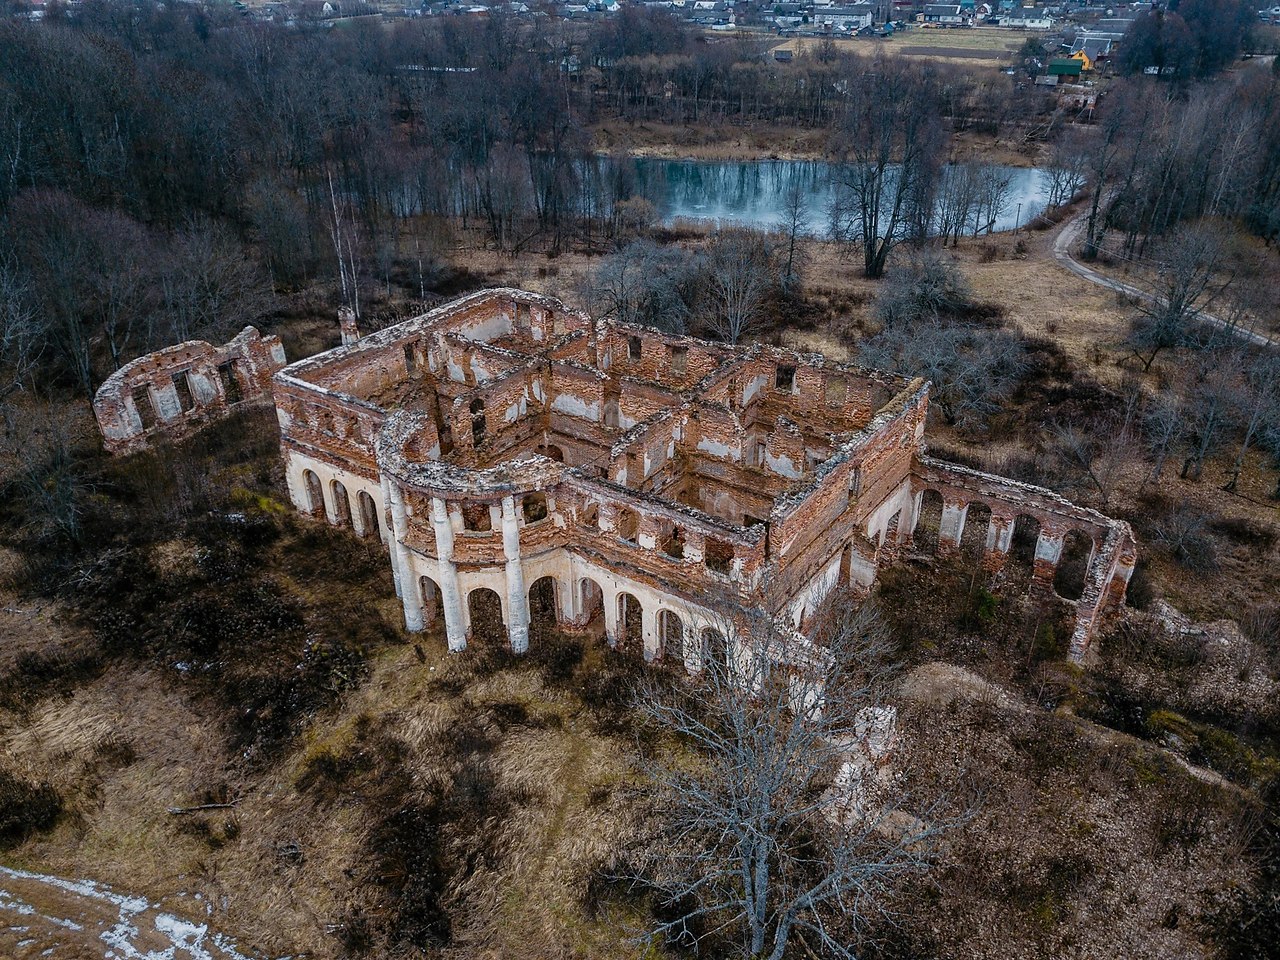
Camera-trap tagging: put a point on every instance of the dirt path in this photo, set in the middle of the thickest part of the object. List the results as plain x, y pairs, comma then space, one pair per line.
44, 916
1065, 241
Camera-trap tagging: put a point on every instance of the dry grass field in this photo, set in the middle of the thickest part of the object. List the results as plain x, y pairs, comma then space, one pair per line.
972, 46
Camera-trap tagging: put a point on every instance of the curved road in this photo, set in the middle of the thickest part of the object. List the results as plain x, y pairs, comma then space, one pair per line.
1065, 242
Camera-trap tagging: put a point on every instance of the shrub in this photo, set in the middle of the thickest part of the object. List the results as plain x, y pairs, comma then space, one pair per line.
25, 808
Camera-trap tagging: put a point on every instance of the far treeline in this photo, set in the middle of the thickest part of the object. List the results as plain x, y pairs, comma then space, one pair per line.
168, 170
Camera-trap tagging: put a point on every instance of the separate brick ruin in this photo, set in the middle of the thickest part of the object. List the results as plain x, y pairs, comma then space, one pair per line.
173, 392
529, 467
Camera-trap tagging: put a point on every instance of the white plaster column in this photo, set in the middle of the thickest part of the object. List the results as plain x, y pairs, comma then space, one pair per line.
410, 594
649, 624
610, 603
952, 526
517, 598
455, 627
391, 539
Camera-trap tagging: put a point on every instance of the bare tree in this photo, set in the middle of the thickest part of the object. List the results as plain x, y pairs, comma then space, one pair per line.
973, 370
1096, 457
1259, 401
642, 283
738, 274
1211, 404
21, 340
1185, 284
1163, 427
795, 224
775, 836
1068, 164
890, 143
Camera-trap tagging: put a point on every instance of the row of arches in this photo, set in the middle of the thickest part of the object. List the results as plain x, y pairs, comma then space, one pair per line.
488, 620
978, 538
337, 505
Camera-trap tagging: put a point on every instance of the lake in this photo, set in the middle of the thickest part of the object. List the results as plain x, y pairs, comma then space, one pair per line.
750, 193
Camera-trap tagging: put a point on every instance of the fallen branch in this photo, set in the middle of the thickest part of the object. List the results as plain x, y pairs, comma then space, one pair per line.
178, 811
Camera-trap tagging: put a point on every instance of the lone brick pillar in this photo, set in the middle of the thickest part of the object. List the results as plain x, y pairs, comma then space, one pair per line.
347, 324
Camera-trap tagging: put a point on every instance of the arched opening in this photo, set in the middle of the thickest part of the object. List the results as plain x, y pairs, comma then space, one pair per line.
1073, 565
368, 514
670, 635
973, 541
630, 623
477, 421
592, 598
432, 601
552, 452
890, 535
1021, 561
341, 505
542, 607
626, 524
715, 651
487, 624
928, 522
315, 493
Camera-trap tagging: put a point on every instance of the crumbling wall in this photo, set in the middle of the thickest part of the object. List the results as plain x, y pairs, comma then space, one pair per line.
173, 392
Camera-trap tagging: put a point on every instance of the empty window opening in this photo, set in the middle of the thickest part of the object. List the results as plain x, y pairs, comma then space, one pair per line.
635, 348
590, 516
612, 414
182, 386
368, 515
432, 601
487, 624
592, 600
543, 618
837, 391
146, 409
477, 421
673, 543
315, 493
1022, 547
229, 374
523, 318
679, 361
785, 378
324, 421
715, 652
535, 507
973, 539
928, 522
1073, 565
410, 359
749, 521
891, 528
626, 525
719, 557
341, 505
671, 634
552, 452
630, 622
476, 517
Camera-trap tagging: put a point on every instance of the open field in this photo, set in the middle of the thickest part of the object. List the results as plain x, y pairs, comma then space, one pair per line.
971, 46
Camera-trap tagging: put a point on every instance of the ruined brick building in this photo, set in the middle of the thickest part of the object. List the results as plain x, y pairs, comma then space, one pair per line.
520, 460
179, 389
